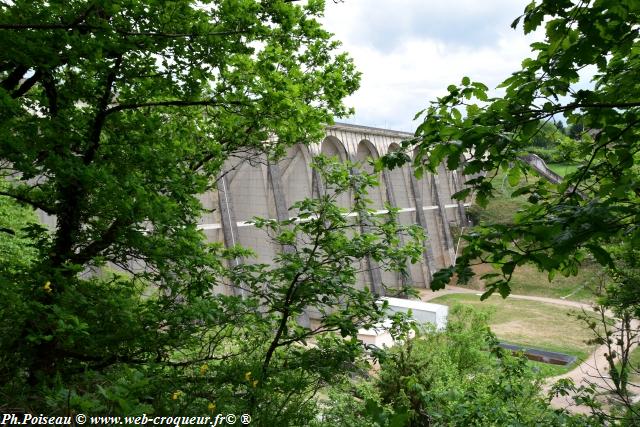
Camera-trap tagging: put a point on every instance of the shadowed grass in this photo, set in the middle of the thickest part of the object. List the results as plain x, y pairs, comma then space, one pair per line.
527, 280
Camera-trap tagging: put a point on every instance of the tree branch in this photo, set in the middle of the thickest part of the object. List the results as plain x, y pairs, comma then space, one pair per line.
86, 27
73, 193
531, 115
97, 246
173, 103
587, 168
28, 201
51, 92
14, 77
103, 111
288, 300
27, 84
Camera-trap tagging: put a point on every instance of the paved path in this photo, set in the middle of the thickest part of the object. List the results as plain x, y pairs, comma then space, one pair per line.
592, 370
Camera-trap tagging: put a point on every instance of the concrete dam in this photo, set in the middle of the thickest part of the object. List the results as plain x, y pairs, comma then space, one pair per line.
249, 187
252, 187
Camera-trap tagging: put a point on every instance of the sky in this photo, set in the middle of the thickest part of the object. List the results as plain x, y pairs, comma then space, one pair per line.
409, 51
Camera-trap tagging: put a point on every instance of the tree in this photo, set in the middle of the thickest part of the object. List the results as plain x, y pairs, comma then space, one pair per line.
611, 393
552, 145
145, 101
576, 130
16, 223
198, 351
455, 377
114, 117
596, 204
549, 136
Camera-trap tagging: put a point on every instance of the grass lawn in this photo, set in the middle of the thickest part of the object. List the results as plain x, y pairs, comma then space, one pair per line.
527, 280
563, 169
531, 323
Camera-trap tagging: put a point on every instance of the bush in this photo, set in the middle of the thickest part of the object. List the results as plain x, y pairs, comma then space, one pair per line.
459, 377
549, 155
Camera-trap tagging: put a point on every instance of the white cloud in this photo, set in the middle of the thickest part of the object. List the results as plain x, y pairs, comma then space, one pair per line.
409, 51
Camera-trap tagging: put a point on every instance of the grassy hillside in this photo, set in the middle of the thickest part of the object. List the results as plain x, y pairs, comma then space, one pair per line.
501, 208
527, 280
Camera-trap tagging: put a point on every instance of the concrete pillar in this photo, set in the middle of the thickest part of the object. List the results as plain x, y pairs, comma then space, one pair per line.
317, 186
446, 231
229, 223
421, 220
405, 279
373, 268
386, 177
457, 185
279, 199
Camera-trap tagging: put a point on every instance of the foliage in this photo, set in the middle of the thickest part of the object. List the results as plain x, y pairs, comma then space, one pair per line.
17, 224
563, 169
454, 377
509, 320
114, 117
595, 204
527, 279
124, 347
548, 136
623, 293
355, 402
552, 145
620, 336
576, 130
549, 155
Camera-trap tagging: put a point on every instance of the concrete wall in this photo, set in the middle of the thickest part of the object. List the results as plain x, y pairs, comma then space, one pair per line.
256, 188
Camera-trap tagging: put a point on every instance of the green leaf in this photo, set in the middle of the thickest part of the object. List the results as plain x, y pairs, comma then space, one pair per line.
525, 189
601, 255
462, 194
514, 176
508, 267
441, 278
533, 19
515, 22
487, 294
504, 288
